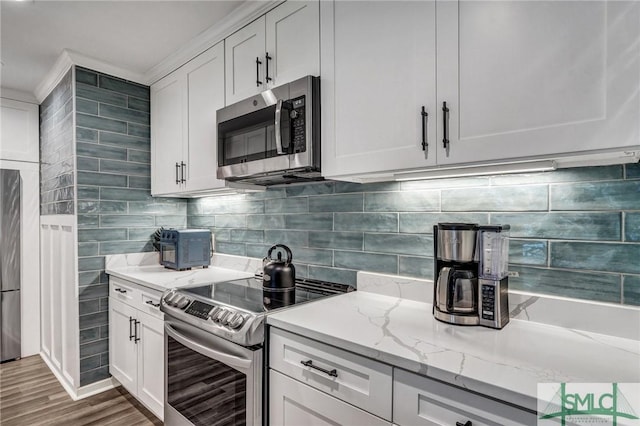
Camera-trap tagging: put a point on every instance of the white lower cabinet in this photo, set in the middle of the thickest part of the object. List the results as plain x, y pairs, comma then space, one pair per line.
311, 383
136, 343
418, 400
294, 403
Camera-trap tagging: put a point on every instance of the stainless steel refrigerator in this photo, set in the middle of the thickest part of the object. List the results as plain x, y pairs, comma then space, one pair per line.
9, 264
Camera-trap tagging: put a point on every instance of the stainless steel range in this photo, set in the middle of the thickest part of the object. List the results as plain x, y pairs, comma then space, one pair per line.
214, 339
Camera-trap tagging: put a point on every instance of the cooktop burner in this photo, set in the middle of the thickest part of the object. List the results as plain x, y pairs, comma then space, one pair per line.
236, 309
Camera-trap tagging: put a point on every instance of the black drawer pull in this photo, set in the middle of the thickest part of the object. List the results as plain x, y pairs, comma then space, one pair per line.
177, 171
120, 290
268, 58
467, 423
136, 339
258, 63
150, 302
425, 117
309, 363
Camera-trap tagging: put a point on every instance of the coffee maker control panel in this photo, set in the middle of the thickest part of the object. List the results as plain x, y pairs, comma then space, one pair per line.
488, 296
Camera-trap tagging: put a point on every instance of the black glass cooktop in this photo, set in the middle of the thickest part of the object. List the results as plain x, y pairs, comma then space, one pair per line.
247, 294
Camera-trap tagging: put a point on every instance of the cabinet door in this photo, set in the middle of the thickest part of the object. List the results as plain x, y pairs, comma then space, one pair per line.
378, 70
244, 76
205, 89
293, 403
525, 79
19, 133
122, 349
167, 133
293, 42
151, 363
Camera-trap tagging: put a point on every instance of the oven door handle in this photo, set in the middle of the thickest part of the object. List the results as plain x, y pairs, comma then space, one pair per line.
225, 358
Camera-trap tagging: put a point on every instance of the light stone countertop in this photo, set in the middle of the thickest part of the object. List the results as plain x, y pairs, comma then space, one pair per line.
160, 278
504, 364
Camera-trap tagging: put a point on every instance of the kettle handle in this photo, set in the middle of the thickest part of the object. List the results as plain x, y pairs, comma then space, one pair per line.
285, 248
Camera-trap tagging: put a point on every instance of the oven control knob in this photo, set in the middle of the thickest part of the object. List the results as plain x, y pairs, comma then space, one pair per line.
182, 302
218, 315
236, 321
214, 312
224, 317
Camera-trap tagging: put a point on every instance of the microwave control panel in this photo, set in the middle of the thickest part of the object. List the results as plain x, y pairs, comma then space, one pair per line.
298, 125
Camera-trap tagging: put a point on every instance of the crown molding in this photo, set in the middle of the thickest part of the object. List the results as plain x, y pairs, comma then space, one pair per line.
238, 18
53, 77
18, 95
69, 58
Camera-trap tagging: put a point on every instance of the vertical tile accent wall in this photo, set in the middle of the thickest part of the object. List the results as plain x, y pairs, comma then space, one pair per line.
575, 232
56, 150
116, 213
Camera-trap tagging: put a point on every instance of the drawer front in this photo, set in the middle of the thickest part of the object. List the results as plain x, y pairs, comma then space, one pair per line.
357, 380
292, 403
123, 291
150, 304
418, 400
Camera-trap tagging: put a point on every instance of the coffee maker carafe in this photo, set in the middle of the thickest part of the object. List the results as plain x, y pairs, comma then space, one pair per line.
456, 273
470, 275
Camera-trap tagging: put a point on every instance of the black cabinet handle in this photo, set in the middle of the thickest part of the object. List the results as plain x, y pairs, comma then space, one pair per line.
136, 339
177, 171
445, 119
467, 423
131, 335
425, 117
268, 58
150, 302
258, 63
309, 363
182, 167
121, 290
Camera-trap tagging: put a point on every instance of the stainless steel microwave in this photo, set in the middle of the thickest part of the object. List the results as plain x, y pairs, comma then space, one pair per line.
273, 137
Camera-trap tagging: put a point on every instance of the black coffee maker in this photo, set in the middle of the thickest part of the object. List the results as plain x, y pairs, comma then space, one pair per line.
278, 279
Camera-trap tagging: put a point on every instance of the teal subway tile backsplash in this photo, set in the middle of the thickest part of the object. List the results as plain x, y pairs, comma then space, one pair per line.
499, 198
573, 226
632, 289
563, 249
573, 284
621, 257
632, 226
616, 195
116, 213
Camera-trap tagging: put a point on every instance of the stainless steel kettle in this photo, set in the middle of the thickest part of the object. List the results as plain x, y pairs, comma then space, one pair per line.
278, 273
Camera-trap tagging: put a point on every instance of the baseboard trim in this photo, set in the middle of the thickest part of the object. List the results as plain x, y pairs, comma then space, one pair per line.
84, 391
96, 388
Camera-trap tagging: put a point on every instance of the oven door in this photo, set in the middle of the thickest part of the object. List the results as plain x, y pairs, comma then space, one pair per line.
209, 380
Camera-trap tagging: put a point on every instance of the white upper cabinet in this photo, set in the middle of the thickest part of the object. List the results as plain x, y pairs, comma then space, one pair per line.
244, 60
19, 139
293, 42
524, 79
521, 81
378, 71
167, 134
183, 126
277, 48
205, 91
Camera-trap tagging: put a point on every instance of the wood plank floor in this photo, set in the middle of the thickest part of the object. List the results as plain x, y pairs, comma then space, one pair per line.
31, 395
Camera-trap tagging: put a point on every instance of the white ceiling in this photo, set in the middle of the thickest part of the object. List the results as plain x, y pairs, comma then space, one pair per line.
133, 35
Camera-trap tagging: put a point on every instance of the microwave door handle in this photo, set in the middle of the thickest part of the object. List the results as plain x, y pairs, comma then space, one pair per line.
279, 149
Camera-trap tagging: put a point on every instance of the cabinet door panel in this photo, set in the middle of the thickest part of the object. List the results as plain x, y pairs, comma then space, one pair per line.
151, 363
241, 50
377, 74
293, 41
19, 132
527, 79
293, 403
122, 349
205, 85
167, 118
